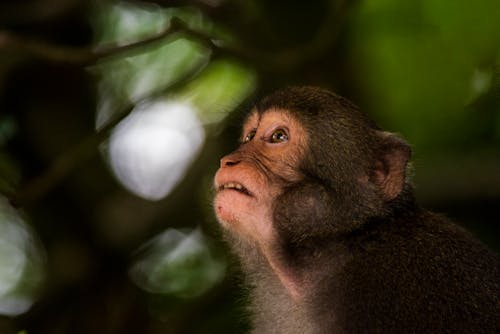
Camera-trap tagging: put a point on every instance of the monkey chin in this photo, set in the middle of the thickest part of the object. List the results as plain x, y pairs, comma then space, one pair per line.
230, 205
244, 215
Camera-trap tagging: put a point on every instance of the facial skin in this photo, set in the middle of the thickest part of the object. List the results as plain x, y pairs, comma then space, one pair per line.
251, 177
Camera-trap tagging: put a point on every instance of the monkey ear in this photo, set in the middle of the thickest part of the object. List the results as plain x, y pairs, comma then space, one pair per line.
389, 171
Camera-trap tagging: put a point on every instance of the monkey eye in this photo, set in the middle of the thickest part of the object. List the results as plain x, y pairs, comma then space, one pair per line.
249, 136
279, 136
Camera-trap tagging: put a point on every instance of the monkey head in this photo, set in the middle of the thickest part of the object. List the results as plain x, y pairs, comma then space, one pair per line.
309, 165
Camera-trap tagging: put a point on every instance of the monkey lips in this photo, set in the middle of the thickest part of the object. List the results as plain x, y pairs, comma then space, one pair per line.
239, 202
232, 197
236, 187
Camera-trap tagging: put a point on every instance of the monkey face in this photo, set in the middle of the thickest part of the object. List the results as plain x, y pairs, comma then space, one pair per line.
309, 165
250, 178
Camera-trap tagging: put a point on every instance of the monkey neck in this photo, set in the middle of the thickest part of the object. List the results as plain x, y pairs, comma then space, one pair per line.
300, 269
285, 289
277, 300
291, 281
261, 261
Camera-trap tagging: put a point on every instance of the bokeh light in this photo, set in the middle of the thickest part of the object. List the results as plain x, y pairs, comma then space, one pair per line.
151, 149
22, 262
219, 89
179, 263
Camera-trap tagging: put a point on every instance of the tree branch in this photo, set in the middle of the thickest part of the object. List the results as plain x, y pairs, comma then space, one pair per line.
89, 55
283, 60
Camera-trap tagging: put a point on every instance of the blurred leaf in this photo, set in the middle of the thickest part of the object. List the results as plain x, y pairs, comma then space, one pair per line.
22, 263
420, 63
125, 21
148, 71
183, 264
220, 88
136, 77
151, 149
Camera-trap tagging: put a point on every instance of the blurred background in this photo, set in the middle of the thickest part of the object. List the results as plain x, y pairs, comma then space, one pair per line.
114, 115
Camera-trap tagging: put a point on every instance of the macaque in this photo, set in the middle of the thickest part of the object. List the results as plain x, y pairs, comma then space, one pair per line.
317, 205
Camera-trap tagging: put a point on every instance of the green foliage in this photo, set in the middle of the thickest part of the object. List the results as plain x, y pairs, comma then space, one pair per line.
428, 69
177, 263
423, 62
22, 262
219, 89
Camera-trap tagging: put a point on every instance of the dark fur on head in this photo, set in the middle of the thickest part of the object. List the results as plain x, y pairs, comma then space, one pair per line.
344, 146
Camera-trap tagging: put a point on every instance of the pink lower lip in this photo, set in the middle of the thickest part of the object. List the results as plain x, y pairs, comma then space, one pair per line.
243, 191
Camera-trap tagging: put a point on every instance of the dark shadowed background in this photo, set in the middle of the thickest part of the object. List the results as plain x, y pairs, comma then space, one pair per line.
114, 115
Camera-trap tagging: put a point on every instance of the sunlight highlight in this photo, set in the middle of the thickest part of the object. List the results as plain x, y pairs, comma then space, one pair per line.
151, 149
21, 262
180, 263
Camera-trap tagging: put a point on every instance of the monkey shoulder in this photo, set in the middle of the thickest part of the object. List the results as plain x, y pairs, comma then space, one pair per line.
422, 272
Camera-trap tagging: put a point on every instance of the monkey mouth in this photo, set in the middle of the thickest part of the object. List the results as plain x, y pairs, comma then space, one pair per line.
236, 187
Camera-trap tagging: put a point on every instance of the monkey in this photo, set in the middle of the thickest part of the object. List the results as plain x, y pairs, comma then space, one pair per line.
317, 204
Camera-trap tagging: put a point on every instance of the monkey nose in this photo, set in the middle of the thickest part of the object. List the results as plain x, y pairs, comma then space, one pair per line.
228, 161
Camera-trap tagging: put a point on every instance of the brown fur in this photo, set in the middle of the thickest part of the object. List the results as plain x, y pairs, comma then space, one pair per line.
331, 237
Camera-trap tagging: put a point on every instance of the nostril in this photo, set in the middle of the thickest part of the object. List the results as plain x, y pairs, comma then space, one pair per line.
228, 161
